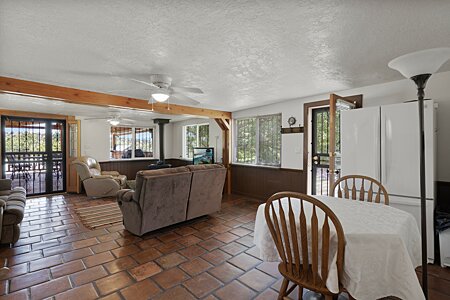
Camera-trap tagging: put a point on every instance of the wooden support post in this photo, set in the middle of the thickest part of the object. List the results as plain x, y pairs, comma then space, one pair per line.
225, 125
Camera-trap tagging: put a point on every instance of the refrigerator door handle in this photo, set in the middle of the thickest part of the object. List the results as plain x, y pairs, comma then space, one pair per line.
386, 136
377, 128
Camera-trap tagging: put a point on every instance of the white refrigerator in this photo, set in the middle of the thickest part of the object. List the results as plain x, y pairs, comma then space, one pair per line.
383, 142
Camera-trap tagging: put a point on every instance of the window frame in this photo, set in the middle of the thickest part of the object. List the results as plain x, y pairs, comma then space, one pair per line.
133, 143
184, 144
257, 140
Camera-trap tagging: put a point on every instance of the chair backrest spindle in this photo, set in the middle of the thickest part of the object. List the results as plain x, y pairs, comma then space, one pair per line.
291, 237
381, 195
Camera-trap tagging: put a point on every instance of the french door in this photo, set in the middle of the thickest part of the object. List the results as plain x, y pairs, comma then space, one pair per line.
320, 150
326, 143
33, 154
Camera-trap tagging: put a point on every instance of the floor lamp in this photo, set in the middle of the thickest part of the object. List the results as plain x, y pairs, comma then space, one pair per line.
419, 66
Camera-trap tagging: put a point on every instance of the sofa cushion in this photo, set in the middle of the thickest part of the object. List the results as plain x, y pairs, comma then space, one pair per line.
163, 199
141, 175
94, 172
193, 168
165, 171
206, 190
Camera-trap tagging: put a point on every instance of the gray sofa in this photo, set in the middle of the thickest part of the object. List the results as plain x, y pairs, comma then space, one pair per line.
12, 207
169, 196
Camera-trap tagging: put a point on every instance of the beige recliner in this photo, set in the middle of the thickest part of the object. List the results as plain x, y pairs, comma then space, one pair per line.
96, 182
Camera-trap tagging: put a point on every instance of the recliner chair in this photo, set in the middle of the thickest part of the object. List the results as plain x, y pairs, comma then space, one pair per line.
96, 182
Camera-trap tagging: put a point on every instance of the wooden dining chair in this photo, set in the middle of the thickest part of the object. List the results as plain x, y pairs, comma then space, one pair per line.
360, 187
295, 234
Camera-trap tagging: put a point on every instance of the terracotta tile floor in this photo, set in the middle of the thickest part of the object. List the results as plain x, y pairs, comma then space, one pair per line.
208, 258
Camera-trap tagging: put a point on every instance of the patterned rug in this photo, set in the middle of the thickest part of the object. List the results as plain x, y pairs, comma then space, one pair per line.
100, 215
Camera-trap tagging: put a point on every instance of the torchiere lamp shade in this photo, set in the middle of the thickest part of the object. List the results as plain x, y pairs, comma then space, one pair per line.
421, 62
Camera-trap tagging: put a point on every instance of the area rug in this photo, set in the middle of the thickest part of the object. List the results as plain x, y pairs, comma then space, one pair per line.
100, 215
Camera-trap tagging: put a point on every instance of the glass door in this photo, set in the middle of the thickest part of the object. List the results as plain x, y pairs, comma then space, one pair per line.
326, 143
33, 154
320, 150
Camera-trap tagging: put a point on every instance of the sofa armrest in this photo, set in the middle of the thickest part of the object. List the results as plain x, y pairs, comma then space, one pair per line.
2, 204
125, 195
14, 209
112, 173
19, 189
5, 184
102, 177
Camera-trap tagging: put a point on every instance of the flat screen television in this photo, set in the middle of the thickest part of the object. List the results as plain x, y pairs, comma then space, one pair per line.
203, 155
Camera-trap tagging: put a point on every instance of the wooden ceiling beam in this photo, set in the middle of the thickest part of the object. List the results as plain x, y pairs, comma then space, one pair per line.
223, 124
77, 96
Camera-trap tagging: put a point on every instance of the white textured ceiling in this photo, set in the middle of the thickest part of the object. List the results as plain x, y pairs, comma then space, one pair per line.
241, 53
40, 105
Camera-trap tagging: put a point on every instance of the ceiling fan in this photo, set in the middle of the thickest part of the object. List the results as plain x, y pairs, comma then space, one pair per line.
162, 89
159, 85
114, 120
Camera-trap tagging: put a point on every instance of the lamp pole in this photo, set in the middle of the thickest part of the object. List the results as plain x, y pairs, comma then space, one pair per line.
421, 82
424, 63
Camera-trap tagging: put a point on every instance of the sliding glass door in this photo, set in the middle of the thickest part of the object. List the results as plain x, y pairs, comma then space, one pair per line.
33, 154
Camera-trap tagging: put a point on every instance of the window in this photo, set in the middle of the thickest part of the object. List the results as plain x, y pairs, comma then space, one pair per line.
258, 140
195, 136
131, 142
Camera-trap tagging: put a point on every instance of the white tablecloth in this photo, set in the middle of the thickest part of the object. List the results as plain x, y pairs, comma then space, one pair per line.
381, 253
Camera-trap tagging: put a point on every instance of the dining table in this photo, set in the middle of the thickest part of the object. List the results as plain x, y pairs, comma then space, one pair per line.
382, 248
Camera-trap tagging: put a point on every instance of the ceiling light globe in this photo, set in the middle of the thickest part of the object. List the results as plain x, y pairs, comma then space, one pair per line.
114, 122
160, 97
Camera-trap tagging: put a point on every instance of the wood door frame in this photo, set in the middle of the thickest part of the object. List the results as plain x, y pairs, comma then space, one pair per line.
306, 124
70, 172
357, 99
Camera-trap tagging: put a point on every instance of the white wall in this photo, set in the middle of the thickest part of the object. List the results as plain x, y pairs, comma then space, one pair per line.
95, 138
215, 137
438, 88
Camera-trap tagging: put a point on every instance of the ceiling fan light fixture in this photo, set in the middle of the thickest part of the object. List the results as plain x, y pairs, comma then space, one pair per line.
160, 97
114, 122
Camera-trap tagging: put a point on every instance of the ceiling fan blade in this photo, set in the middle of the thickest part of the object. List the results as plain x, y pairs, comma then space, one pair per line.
106, 118
89, 73
144, 82
122, 75
183, 98
127, 120
124, 90
186, 89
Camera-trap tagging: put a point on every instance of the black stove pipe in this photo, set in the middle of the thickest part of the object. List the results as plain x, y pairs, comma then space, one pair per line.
161, 123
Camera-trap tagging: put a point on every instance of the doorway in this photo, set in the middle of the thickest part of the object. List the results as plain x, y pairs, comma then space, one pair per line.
321, 144
320, 151
33, 154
